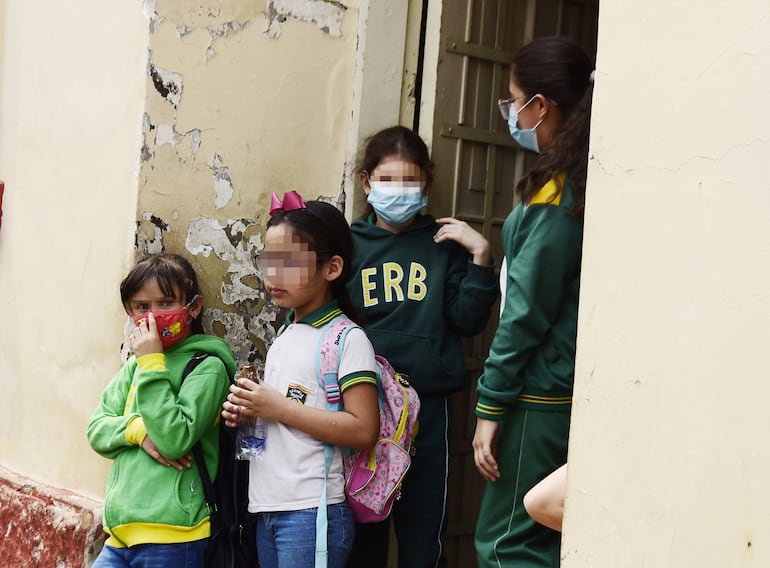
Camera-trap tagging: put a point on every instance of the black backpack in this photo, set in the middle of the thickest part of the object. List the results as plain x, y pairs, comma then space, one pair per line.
233, 541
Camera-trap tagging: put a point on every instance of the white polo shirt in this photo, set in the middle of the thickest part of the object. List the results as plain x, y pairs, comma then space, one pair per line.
289, 475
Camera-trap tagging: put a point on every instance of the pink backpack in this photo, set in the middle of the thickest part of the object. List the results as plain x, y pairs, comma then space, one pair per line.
373, 477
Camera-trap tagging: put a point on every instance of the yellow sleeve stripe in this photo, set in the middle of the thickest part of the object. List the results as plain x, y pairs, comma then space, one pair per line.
551, 192
544, 399
129, 406
491, 410
151, 362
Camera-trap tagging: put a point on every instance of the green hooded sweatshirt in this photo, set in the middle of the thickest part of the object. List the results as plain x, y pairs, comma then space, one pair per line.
419, 298
147, 502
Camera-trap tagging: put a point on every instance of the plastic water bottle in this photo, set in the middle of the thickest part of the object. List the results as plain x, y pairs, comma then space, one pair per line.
252, 433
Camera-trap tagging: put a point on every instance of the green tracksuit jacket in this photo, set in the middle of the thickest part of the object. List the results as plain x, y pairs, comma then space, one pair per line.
532, 356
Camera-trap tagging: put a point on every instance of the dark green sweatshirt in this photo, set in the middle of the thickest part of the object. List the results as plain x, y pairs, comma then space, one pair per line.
419, 298
532, 357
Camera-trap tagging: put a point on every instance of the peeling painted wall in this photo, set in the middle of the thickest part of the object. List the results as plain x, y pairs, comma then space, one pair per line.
243, 98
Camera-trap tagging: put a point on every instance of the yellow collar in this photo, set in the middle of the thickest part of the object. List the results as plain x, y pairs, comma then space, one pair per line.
550, 192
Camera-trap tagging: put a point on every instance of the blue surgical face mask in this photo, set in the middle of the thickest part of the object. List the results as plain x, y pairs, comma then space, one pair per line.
395, 202
527, 138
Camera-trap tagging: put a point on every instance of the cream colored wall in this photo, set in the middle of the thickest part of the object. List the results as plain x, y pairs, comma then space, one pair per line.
71, 99
668, 451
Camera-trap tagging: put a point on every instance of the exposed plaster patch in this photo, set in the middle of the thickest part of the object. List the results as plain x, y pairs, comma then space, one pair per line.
147, 129
182, 31
254, 316
223, 185
325, 14
149, 9
128, 328
165, 134
236, 334
220, 31
154, 244
168, 84
155, 136
206, 235
195, 141
223, 30
239, 329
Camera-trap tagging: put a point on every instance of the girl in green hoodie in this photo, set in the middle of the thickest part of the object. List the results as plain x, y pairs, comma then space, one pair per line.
148, 421
421, 284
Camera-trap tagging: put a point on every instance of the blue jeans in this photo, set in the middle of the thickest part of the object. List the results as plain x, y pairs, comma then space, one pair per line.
287, 539
178, 555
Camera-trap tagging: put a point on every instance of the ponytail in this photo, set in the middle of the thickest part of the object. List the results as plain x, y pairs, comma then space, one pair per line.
568, 153
560, 70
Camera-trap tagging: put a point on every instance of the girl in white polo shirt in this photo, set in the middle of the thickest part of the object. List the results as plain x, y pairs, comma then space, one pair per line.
305, 264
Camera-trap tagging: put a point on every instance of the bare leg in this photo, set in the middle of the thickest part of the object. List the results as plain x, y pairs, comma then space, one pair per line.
545, 501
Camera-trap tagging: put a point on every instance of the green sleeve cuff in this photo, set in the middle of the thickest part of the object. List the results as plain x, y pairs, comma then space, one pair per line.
135, 431
360, 378
151, 362
489, 409
485, 268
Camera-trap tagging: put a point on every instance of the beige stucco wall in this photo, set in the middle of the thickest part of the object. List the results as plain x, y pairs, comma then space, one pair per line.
668, 451
71, 97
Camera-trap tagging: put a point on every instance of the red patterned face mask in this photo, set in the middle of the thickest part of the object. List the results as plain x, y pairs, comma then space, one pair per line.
172, 324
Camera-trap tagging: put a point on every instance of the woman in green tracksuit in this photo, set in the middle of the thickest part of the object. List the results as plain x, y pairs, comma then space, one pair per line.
525, 390
421, 284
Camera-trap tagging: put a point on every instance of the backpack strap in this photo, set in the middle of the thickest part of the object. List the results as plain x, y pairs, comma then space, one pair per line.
328, 357
208, 486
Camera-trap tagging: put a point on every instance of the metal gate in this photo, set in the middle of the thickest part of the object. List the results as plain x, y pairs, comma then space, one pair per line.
476, 167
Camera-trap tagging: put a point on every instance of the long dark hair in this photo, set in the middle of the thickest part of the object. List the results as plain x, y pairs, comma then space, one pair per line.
558, 69
168, 270
325, 230
396, 141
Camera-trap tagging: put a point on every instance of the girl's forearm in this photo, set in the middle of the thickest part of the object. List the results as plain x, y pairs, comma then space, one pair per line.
339, 428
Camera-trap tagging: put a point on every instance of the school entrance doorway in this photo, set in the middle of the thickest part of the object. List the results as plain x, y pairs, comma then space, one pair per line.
477, 165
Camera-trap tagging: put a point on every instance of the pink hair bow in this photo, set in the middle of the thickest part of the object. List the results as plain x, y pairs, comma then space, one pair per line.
291, 201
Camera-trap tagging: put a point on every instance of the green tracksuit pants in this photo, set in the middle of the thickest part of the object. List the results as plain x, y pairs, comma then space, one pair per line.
531, 443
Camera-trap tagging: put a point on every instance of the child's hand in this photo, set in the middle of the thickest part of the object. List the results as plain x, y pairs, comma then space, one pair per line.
484, 449
467, 237
256, 399
145, 339
152, 450
231, 414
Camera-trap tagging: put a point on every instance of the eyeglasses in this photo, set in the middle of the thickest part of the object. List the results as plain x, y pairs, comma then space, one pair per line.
505, 106
507, 109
